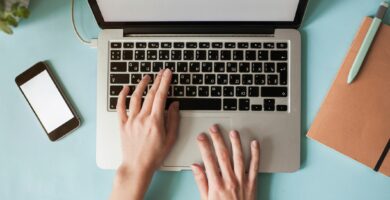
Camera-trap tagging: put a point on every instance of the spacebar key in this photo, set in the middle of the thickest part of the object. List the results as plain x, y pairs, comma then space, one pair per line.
197, 104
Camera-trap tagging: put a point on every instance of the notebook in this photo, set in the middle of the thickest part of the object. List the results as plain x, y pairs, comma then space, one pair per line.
355, 119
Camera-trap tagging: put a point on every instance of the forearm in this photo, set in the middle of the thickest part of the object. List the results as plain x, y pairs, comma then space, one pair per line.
130, 185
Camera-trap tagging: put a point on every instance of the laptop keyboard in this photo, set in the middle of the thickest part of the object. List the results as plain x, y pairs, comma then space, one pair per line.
217, 76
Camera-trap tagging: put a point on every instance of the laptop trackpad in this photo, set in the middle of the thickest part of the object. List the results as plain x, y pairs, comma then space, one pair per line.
186, 151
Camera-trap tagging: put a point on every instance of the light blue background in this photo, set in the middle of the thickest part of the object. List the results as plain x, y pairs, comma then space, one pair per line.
32, 167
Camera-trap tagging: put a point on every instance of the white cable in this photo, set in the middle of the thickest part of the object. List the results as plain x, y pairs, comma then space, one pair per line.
92, 42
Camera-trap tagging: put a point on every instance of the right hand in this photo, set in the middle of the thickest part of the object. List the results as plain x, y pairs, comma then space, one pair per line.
222, 178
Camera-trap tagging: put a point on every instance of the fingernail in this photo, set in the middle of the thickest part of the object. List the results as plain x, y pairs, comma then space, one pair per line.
202, 137
214, 128
234, 134
194, 169
255, 144
168, 71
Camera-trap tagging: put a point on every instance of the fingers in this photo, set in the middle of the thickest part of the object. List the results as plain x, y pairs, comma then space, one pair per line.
201, 180
136, 97
238, 156
222, 152
162, 93
173, 120
209, 159
148, 103
255, 162
121, 104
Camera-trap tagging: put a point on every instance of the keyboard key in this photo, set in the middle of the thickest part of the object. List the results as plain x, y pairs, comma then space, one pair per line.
244, 67
238, 55
269, 104
247, 79
256, 107
241, 91
191, 45
262, 55
185, 78
119, 78
231, 67
127, 55
234, 79
282, 69
203, 91
194, 67
151, 55
216, 91
272, 79
274, 91
209, 79
259, 79
170, 91
243, 104
139, 55
230, 45
145, 92
282, 45
115, 54
222, 79
140, 44
113, 102
230, 104
269, 45
135, 78
250, 55
116, 45
115, 90
178, 45
176, 55
163, 54
228, 91
243, 45
128, 45
255, 45
269, 67
279, 55
281, 107
146, 66
213, 55
197, 103
191, 91
201, 55
207, 67
118, 66
219, 67
171, 66
166, 45
226, 55
157, 66
133, 67
182, 67
153, 45
204, 45
197, 79
253, 91
188, 54
178, 90
257, 67
175, 79
217, 45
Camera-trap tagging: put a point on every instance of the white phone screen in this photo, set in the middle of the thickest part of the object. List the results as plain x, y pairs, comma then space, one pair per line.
46, 101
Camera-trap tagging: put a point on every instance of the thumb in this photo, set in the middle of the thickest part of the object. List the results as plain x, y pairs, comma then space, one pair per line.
201, 180
172, 123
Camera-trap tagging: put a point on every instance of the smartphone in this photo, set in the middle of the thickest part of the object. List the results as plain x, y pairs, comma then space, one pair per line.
47, 100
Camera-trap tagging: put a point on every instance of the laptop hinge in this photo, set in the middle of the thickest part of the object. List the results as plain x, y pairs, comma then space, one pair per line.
196, 30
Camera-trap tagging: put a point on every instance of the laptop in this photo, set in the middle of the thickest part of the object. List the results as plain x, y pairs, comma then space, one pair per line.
234, 63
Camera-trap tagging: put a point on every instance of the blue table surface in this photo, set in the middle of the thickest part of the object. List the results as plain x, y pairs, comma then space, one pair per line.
32, 167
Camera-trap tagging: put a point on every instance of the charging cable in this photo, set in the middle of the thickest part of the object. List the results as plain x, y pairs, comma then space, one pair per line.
92, 42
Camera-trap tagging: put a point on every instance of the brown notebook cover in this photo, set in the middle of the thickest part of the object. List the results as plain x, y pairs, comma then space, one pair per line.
355, 119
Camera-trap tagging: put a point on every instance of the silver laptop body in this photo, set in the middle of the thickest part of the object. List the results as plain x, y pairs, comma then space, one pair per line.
277, 128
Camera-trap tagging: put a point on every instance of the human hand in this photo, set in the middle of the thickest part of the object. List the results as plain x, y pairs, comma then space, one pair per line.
146, 134
222, 177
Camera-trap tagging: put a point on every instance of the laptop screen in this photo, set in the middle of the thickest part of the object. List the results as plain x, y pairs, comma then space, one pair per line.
197, 10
